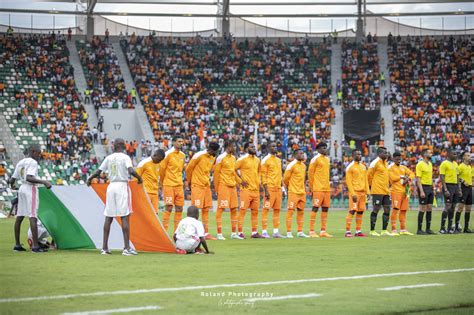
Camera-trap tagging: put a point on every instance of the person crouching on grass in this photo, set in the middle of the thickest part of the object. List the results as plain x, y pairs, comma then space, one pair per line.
190, 235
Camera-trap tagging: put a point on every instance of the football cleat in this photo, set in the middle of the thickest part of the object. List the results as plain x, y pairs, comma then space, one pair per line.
443, 231
178, 251
467, 230
277, 235
220, 237
19, 248
129, 252
265, 235
289, 235
430, 232
256, 235
241, 235
348, 234
385, 233
421, 232
301, 235
360, 234
105, 252
405, 233
235, 236
325, 234
39, 250
313, 234
373, 233
209, 237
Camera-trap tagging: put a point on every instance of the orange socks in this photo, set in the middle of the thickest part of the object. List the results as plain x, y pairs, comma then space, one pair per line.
289, 218
324, 220
205, 219
166, 219
241, 219
403, 220
300, 220
276, 218
393, 219
254, 219
359, 221
312, 220
265, 218
234, 218
349, 217
219, 220
177, 218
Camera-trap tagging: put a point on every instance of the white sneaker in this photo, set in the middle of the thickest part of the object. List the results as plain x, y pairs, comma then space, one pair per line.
129, 252
289, 235
235, 236
301, 234
105, 252
220, 237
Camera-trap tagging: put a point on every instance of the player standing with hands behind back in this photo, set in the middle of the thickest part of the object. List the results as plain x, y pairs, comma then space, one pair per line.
118, 202
28, 201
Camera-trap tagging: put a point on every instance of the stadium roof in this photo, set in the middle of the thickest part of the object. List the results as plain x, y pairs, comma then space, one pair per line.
272, 13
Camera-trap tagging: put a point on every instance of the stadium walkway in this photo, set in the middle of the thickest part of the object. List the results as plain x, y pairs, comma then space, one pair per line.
386, 110
337, 127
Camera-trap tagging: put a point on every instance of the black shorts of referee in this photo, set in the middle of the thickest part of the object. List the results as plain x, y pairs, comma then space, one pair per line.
453, 194
466, 197
429, 195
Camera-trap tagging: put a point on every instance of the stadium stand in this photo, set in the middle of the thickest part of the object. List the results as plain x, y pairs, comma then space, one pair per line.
41, 103
360, 75
106, 86
258, 84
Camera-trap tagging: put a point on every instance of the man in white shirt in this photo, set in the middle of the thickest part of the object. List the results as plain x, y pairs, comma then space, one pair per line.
190, 234
27, 171
118, 203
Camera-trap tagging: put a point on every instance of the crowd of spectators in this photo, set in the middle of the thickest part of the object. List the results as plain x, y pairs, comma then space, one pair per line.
361, 77
105, 83
179, 82
430, 92
43, 60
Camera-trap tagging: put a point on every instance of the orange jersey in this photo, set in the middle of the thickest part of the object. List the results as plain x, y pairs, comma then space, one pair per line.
171, 168
395, 172
271, 171
198, 171
356, 178
378, 177
224, 171
318, 173
294, 177
249, 167
149, 172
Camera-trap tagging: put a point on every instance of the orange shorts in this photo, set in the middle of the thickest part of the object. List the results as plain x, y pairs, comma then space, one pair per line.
399, 201
154, 201
359, 205
201, 197
297, 201
227, 197
173, 195
249, 199
322, 199
275, 199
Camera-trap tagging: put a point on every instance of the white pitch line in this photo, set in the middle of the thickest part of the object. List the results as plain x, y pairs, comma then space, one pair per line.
284, 297
228, 285
401, 287
118, 310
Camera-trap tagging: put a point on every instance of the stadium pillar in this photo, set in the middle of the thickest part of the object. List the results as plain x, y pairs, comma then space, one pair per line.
90, 27
360, 22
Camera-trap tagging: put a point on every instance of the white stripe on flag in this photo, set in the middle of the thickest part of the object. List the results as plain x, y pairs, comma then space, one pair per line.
88, 209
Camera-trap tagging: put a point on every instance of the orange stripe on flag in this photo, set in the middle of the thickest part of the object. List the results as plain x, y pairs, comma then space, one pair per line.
146, 232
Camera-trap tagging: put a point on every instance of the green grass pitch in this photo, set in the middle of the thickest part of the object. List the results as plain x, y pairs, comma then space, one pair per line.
320, 262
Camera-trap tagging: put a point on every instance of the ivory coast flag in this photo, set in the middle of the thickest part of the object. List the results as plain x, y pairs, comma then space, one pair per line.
73, 216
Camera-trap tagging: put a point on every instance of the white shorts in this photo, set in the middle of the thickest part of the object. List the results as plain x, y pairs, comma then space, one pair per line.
28, 201
42, 233
118, 200
188, 245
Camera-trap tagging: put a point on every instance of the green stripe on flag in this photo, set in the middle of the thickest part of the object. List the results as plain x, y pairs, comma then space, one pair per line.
66, 231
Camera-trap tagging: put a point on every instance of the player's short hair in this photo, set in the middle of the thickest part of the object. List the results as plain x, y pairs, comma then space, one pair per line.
423, 152
381, 149
397, 153
176, 138
160, 153
322, 145
228, 143
464, 153
296, 151
356, 150
34, 148
246, 145
214, 146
